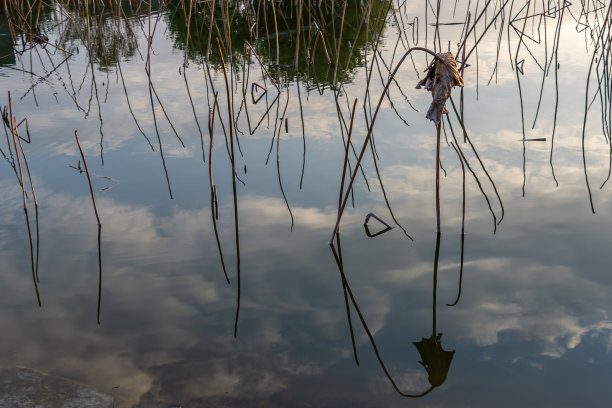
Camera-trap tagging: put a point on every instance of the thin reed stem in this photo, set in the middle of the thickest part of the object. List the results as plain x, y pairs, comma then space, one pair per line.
93, 198
438, 127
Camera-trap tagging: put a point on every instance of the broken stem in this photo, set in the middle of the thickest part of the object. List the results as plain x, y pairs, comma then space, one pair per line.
93, 198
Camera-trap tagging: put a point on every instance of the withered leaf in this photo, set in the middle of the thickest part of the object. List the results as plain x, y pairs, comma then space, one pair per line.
442, 75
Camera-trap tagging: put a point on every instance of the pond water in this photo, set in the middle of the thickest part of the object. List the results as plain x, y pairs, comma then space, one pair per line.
141, 307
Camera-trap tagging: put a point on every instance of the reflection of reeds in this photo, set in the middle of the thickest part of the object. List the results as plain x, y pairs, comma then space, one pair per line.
314, 48
348, 294
520, 90
369, 135
384, 193
127, 99
603, 41
232, 158
339, 43
275, 32
195, 116
214, 202
303, 133
93, 200
16, 139
229, 113
212, 14
496, 222
460, 273
262, 65
150, 85
556, 63
33, 196
99, 272
462, 226
341, 201
280, 183
93, 79
24, 22
367, 228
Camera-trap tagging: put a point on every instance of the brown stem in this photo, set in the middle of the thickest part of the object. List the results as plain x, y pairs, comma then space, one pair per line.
438, 176
369, 135
93, 198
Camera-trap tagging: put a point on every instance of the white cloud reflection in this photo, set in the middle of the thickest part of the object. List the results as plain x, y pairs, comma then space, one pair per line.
158, 279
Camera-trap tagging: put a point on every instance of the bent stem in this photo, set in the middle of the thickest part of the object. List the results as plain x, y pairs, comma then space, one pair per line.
369, 134
93, 198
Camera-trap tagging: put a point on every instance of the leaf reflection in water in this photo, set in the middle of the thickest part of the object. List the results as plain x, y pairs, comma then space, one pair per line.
434, 358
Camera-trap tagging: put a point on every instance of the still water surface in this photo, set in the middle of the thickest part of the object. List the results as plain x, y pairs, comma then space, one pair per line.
532, 325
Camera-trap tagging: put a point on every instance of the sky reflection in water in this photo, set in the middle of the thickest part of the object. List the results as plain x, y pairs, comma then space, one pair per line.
532, 326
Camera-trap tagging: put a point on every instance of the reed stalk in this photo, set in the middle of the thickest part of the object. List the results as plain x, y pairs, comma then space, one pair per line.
369, 134
91, 191
24, 196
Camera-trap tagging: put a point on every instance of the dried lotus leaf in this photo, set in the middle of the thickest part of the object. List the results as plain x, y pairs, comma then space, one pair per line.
441, 76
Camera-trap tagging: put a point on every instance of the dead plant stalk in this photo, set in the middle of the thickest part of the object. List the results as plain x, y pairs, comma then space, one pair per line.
93, 198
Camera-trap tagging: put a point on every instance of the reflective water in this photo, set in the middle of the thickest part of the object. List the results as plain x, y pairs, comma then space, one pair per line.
531, 325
